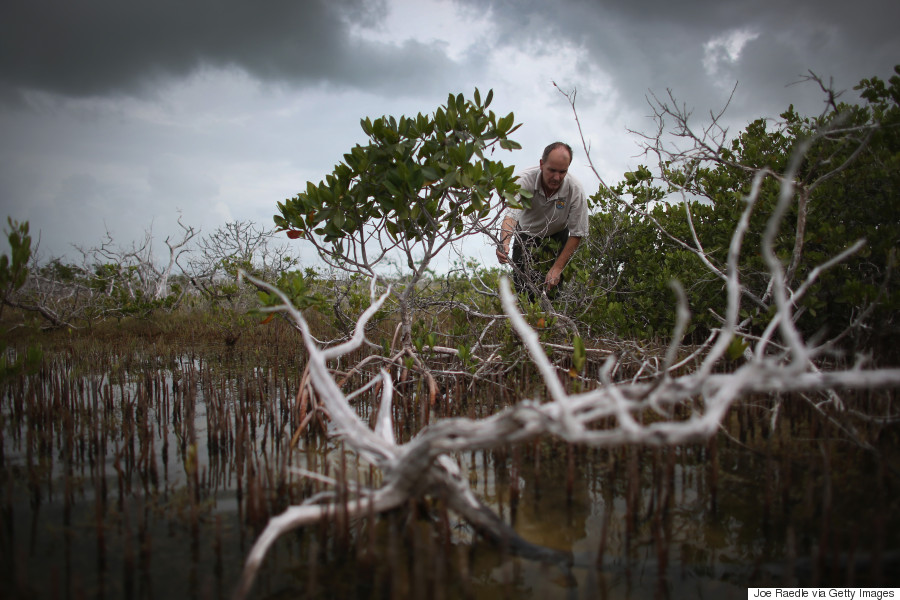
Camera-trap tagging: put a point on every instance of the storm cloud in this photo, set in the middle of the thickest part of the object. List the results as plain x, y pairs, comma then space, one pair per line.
701, 49
122, 116
101, 47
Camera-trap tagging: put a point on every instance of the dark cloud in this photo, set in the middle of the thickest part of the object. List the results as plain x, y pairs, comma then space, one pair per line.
99, 47
657, 45
156, 106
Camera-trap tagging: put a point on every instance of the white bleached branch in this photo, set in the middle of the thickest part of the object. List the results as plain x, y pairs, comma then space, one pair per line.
422, 466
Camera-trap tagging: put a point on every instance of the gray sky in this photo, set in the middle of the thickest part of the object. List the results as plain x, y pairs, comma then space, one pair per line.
117, 116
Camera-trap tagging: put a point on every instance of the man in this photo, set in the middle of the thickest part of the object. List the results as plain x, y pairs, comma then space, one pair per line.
548, 233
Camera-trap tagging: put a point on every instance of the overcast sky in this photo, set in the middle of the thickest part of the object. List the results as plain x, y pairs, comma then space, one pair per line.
119, 116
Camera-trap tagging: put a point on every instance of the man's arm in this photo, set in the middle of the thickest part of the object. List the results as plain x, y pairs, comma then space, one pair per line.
506, 232
555, 272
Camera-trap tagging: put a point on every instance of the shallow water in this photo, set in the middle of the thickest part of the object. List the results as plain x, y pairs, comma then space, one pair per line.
143, 477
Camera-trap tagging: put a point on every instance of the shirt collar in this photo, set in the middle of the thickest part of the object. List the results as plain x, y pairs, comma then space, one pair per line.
540, 188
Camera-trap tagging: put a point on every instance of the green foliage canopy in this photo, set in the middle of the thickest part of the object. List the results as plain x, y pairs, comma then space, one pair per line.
417, 178
846, 189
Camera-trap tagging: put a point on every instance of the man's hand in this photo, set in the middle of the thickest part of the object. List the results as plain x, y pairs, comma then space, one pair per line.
553, 277
555, 273
503, 254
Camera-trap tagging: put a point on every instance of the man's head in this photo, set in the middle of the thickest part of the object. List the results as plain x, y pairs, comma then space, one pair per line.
554, 165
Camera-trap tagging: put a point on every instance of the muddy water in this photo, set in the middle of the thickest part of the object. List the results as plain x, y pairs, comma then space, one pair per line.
135, 476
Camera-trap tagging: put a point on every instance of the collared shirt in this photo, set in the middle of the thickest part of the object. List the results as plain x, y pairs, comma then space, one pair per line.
567, 207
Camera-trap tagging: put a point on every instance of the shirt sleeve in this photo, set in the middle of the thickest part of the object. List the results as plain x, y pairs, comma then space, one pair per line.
578, 215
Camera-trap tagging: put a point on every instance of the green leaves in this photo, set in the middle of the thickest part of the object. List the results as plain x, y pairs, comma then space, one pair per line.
14, 268
13, 274
579, 354
299, 290
736, 348
416, 178
849, 194
642, 174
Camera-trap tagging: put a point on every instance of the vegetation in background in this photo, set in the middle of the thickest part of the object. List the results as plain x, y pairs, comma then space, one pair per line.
13, 275
846, 190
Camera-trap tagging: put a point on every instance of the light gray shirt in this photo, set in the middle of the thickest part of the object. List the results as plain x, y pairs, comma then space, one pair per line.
567, 207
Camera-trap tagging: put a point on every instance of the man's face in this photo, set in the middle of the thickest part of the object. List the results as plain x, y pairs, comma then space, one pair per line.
554, 169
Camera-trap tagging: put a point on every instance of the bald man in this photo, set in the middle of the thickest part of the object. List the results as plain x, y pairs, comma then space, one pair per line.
548, 233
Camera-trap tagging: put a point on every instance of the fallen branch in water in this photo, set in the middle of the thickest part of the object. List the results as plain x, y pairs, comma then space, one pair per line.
416, 469
422, 467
